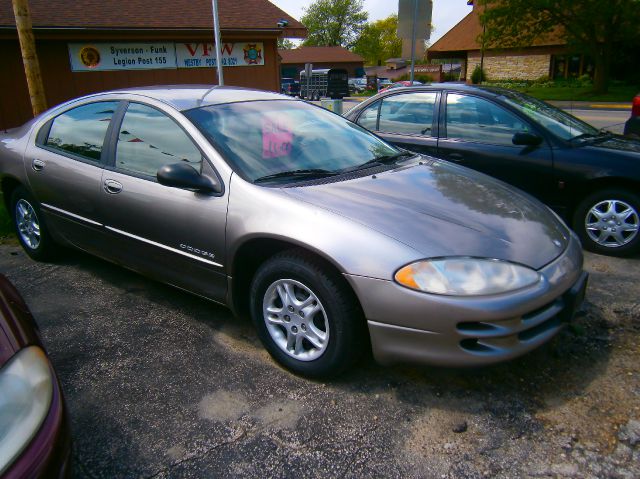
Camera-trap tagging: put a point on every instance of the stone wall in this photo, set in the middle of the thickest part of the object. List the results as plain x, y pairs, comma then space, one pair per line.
507, 67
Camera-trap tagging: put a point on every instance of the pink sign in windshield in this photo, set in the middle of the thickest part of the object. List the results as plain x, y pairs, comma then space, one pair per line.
276, 137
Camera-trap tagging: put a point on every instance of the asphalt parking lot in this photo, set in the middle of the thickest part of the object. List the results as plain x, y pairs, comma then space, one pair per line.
160, 383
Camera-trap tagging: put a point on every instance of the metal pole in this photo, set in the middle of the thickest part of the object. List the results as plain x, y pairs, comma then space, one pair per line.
29, 58
413, 37
218, 45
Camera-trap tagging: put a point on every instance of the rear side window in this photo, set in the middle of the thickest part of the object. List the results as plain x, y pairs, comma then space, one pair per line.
369, 117
148, 140
81, 131
408, 114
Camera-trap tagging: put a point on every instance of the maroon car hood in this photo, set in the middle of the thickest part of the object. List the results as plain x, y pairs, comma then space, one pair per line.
441, 209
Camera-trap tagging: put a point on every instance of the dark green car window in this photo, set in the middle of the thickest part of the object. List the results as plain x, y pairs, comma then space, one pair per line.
471, 118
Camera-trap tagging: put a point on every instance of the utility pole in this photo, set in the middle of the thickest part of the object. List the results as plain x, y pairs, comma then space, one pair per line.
29, 58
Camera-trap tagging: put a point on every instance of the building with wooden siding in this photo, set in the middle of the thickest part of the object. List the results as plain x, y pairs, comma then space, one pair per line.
293, 60
548, 56
86, 46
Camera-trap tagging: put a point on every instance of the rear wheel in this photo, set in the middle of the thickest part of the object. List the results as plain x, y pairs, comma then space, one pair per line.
306, 315
608, 221
30, 227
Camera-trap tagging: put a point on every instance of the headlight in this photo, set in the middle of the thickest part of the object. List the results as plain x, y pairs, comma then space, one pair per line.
466, 276
26, 390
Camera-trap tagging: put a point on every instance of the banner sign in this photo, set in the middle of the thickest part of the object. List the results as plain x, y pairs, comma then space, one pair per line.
121, 56
198, 55
428, 69
153, 56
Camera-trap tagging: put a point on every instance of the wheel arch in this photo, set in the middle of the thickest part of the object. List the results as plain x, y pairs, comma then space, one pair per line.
255, 251
599, 184
7, 185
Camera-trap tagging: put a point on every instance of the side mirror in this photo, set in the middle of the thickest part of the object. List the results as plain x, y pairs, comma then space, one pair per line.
183, 175
526, 139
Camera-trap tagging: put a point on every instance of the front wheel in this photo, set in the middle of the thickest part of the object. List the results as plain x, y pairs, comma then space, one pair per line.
607, 222
30, 227
306, 315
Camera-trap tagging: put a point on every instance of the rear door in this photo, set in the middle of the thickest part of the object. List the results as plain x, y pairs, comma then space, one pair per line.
408, 120
64, 169
478, 133
175, 235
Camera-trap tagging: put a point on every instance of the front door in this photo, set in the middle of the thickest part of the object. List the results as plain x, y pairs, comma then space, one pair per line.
478, 133
175, 235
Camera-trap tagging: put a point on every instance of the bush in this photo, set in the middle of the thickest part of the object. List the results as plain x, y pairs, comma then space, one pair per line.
420, 78
478, 75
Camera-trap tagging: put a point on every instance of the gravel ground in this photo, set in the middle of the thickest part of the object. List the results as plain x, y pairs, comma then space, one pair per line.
162, 384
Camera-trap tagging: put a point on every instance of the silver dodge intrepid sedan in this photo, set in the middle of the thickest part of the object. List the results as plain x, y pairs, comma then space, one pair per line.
331, 239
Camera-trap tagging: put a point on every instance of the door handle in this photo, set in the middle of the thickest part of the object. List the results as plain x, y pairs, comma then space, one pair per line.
455, 157
112, 187
38, 165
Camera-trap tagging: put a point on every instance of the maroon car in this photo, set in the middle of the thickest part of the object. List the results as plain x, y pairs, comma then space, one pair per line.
34, 435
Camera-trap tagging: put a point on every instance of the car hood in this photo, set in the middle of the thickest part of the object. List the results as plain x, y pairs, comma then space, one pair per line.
624, 145
440, 209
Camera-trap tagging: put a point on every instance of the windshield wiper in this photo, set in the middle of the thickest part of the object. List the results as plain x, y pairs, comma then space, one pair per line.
380, 160
600, 136
305, 173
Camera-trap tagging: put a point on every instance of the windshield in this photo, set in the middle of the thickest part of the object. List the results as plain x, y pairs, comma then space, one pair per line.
558, 122
263, 138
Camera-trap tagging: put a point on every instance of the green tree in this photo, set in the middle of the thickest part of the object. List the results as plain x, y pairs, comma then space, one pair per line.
379, 41
334, 22
285, 44
591, 27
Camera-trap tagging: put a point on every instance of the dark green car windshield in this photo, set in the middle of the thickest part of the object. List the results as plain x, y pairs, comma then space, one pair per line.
263, 138
557, 121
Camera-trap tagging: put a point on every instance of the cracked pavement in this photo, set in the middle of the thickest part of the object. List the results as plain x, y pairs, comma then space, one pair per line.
160, 383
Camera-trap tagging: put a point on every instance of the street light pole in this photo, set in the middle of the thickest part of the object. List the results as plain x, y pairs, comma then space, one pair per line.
216, 32
413, 38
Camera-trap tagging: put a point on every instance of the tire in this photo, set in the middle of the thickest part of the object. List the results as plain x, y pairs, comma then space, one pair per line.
321, 345
607, 222
30, 227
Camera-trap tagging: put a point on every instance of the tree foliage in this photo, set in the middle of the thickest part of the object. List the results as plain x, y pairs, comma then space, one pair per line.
285, 44
591, 27
334, 22
379, 41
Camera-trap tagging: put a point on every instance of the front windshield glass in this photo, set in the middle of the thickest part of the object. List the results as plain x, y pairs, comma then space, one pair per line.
558, 122
264, 138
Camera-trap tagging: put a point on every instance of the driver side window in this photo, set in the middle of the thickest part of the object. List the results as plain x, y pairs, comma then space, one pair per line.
476, 119
148, 139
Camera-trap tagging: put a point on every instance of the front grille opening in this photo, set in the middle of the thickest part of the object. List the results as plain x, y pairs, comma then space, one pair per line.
473, 345
539, 329
533, 314
475, 327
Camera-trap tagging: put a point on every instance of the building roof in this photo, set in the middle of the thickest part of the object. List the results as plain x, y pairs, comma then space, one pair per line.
319, 55
154, 14
464, 36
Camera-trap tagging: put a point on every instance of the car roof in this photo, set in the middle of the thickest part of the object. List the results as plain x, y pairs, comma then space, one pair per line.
185, 97
487, 90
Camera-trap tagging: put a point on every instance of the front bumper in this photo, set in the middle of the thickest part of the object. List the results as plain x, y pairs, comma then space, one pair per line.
410, 326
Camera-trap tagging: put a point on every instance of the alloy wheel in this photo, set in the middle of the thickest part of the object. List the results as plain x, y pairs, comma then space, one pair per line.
612, 223
295, 319
28, 224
